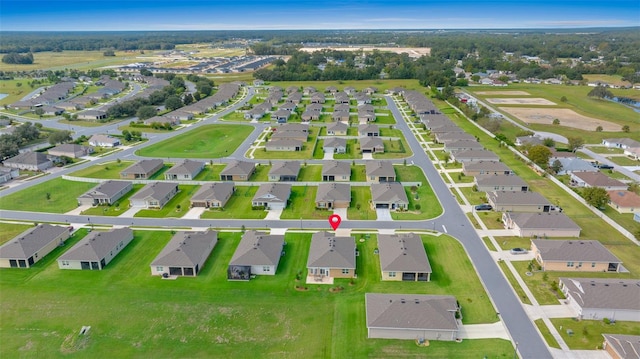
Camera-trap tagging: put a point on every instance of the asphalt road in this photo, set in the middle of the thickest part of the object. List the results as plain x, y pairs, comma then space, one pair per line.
453, 222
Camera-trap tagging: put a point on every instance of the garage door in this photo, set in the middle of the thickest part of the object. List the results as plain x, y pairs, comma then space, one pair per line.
382, 205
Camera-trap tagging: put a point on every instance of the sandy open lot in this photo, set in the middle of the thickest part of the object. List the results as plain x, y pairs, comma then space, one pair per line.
567, 117
505, 93
412, 51
520, 101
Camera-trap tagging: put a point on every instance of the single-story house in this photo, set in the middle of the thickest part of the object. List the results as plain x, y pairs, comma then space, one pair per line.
29, 161
96, 249
30, 246
624, 201
334, 145
284, 145
339, 171
403, 258
574, 255
187, 170
272, 196
310, 115
474, 156
92, 115
368, 130
380, 171
142, 169
213, 195
485, 168
597, 179
444, 137
282, 134
337, 129
488, 183
389, 195
162, 120
281, 115
154, 195
284, 171
633, 153
317, 97
185, 254
333, 195
412, 316
258, 253
620, 346
256, 113
106, 193
463, 145
623, 143
528, 140
331, 256
371, 145
7, 174
541, 225
237, 171
70, 150
599, 298
340, 116
573, 165
511, 201
104, 141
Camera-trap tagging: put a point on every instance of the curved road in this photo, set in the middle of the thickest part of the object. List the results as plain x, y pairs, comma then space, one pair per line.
453, 222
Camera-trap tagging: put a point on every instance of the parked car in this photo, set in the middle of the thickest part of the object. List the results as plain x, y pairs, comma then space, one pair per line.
519, 251
604, 166
483, 207
555, 209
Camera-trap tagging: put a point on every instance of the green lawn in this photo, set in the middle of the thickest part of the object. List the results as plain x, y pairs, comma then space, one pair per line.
210, 141
546, 334
175, 208
507, 243
474, 197
491, 219
132, 314
459, 177
238, 206
307, 152
113, 210
210, 173
353, 151
394, 149
514, 283
53, 196
489, 244
10, 230
302, 204
424, 197
361, 197
310, 173
105, 170
587, 334
624, 161
358, 173
606, 150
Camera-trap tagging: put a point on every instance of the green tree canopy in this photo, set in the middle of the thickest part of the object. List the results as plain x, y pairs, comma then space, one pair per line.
540, 154
575, 143
145, 112
596, 196
600, 92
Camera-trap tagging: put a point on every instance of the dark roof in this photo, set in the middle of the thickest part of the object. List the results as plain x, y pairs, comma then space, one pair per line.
403, 253
187, 249
336, 168
258, 248
604, 293
574, 250
214, 191
556, 221
238, 168
186, 167
411, 311
329, 251
143, 166
96, 245
31, 241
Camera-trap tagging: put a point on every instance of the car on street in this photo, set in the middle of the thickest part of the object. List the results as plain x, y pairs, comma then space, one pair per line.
519, 251
483, 207
604, 166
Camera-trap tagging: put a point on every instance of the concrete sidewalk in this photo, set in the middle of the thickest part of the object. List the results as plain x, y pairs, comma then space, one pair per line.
78, 210
131, 212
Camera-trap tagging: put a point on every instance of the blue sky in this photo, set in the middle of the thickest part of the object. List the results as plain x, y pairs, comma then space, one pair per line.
59, 15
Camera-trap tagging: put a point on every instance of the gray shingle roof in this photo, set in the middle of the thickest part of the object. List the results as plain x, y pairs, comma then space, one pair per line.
29, 158
388, 192
186, 167
287, 168
605, 293
626, 346
329, 192
235, 168
186, 249
337, 126
273, 192
329, 251
380, 169
368, 142
106, 189
156, 190
31, 241
517, 198
500, 180
485, 166
96, 245
411, 311
335, 142
574, 250
403, 253
143, 166
476, 155
598, 179
214, 192
557, 221
336, 168
258, 248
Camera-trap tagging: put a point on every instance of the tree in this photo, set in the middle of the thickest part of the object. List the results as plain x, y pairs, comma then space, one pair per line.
599, 129
39, 111
575, 143
563, 99
145, 72
188, 99
540, 154
556, 166
145, 112
626, 128
596, 196
59, 137
556, 121
600, 92
549, 142
172, 102
109, 53
634, 187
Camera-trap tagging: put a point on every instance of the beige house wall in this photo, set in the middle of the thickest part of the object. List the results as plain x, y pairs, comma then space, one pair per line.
337, 273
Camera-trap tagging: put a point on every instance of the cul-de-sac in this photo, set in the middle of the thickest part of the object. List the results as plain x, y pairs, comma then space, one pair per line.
320, 194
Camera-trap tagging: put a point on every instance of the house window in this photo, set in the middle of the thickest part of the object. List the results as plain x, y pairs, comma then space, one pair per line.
579, 264
593, 264
569, 264
392, 274
345, 271
159, 269
65, 263
266, 269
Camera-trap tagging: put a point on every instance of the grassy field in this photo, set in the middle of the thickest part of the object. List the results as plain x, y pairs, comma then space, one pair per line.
16, 89
53, 196
546, 334
580, 103
514, 283
308, 149
72, 60
238, 206
177, 207
361, 197
10, 230
210, 172
132, 314
210, 141
105, 170
587, 334
302, 204
423, 196
310, 173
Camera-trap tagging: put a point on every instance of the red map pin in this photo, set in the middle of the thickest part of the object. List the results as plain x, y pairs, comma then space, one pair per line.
334, 221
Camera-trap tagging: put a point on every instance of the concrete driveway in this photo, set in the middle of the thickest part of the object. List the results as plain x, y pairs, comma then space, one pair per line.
328, 156
342, 212
273, 214
384, 214
195, 212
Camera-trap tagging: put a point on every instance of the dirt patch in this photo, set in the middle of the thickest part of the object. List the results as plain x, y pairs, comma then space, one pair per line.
521, 101
412, 51
505, 93
567, 117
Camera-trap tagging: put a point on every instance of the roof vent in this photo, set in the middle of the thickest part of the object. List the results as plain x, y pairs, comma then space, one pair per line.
402, 300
